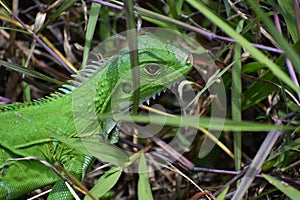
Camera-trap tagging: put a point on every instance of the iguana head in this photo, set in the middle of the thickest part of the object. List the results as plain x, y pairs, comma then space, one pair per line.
160, 65
110, 88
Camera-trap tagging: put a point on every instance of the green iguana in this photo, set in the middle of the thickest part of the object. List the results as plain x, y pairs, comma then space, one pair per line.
26, 129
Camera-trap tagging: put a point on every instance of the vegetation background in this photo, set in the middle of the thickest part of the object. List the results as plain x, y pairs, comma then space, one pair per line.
255, 44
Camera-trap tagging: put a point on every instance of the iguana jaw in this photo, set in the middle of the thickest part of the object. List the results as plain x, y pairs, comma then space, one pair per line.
161, 92
126, 104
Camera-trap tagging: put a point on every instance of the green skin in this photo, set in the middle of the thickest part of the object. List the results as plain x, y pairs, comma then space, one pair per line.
28, 129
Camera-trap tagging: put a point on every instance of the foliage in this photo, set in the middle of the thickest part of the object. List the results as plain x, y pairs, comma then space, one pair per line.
255, 45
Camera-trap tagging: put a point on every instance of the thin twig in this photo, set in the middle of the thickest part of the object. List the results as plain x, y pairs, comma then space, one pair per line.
288, 62
37, 38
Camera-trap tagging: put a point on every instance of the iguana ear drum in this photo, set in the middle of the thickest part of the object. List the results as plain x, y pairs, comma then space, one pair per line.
126, 87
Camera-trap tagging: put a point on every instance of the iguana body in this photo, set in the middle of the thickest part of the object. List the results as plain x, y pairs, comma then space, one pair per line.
27, 129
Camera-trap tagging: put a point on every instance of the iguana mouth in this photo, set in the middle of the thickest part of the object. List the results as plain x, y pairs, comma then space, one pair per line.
127, 104
158, 94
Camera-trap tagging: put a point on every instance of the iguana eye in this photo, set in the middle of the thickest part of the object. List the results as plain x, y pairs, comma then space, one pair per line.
152, 69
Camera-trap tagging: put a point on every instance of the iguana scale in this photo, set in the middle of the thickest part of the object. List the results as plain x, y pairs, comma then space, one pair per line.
27, 129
